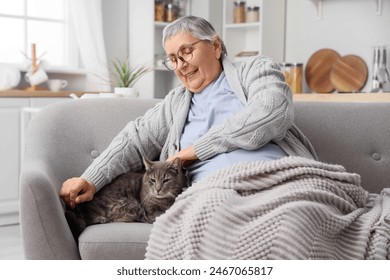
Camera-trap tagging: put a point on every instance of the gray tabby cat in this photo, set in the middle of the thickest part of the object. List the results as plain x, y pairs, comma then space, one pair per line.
131, 197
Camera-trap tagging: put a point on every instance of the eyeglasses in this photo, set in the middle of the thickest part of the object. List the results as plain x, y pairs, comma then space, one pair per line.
185, 54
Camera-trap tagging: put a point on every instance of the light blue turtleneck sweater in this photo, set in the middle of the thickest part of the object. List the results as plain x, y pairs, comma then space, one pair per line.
211, 107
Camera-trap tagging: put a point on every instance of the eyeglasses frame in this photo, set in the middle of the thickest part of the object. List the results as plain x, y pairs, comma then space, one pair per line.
166, 60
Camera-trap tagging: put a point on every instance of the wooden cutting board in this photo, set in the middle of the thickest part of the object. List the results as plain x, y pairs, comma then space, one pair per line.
349, 74
317, 72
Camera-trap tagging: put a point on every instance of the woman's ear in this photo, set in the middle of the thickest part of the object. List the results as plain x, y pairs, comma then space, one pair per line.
217, 47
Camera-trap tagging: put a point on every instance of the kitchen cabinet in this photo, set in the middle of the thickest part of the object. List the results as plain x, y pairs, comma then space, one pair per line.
14, 116
10, 157
266, 36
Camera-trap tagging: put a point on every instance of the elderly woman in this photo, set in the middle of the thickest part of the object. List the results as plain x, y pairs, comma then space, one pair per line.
220, 115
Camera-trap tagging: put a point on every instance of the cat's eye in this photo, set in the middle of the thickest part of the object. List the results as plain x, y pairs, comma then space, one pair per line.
166, 180
152, 180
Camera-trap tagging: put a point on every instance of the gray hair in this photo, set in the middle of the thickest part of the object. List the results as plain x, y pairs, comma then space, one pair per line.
196, 26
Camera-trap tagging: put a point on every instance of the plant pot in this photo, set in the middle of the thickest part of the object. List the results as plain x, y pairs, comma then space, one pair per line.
126, 92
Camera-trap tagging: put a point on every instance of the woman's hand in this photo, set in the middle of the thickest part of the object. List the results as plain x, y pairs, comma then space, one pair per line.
187, 156
77, 190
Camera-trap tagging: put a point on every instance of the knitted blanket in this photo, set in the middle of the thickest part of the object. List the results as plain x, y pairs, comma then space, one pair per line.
292, 208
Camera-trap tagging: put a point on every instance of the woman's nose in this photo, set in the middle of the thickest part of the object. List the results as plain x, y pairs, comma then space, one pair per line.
181, 63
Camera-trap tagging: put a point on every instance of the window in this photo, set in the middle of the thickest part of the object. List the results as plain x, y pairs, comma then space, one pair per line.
43, 22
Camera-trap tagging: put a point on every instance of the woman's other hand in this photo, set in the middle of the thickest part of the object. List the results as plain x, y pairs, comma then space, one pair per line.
77, 190
187, 156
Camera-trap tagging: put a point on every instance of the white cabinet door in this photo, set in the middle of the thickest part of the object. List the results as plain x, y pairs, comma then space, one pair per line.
40, 102
14, 116
10, 120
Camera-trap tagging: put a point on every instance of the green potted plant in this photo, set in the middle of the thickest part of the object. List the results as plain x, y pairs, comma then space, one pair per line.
125, 76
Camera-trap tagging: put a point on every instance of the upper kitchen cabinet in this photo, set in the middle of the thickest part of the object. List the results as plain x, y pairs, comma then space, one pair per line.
254, 27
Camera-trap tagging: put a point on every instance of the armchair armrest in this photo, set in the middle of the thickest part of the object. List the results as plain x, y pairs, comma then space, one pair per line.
44, 229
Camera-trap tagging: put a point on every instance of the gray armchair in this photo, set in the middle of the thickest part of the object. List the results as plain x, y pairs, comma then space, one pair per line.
61, 142
64, 138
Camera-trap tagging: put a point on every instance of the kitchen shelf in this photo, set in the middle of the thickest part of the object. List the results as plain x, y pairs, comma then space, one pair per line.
379, 7
318, 3
160, 24
243, 25
319, 8
265, 37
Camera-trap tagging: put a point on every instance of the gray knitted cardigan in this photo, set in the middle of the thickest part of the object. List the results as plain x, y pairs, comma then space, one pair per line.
268, 116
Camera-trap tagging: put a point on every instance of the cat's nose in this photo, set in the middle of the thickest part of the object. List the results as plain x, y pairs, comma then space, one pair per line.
158, 189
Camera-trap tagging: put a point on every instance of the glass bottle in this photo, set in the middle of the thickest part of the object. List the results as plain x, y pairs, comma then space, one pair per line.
253, 14
158, 10
293, 74
375, 70
380, 74
171, 12
384, 76
239, 12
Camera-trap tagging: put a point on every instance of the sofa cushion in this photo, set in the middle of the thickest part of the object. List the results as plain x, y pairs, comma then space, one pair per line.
123, 241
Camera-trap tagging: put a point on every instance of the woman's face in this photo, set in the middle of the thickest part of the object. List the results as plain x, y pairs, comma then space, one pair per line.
203, 68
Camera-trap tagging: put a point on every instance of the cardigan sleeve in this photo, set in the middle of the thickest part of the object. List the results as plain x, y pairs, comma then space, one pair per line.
267, 115
144, 136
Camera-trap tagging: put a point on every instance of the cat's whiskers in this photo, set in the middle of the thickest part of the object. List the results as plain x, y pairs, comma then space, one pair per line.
151, 196
165, 195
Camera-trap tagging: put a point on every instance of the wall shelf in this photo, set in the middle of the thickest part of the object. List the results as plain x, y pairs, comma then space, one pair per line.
379, 6
243, 25
265, 37
319, 8
318, 3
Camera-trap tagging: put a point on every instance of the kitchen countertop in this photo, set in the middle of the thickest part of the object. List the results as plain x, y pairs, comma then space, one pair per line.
325, 97
39, 93
342, 97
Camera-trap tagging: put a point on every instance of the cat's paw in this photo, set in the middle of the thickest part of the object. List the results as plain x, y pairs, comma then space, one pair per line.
101, 220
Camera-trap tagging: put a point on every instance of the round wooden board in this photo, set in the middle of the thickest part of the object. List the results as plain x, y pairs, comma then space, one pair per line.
318, 69
349, 74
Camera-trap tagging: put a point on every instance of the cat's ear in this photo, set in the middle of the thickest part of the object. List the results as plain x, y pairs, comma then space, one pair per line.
148, 164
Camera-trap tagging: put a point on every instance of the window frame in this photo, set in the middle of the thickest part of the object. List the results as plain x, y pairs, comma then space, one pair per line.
71, 54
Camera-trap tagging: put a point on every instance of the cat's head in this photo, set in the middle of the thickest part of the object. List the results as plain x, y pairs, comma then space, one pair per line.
163, 179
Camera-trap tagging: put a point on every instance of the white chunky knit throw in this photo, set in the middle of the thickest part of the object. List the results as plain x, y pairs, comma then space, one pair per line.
292, 208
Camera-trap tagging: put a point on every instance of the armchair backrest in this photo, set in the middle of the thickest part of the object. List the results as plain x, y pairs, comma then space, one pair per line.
69, 135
